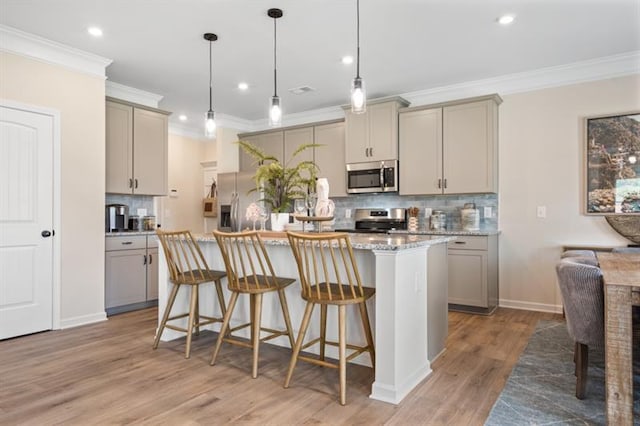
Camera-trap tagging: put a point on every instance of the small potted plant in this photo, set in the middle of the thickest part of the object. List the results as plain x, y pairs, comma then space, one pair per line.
279, 184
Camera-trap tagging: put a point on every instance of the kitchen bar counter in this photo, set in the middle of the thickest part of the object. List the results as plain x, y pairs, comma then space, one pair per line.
408, 311
480, 233
129, 233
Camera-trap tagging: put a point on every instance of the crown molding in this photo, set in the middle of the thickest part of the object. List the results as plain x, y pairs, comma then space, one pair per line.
19, 42
131, 94
190, 132
322, 114
236, 123
544, 78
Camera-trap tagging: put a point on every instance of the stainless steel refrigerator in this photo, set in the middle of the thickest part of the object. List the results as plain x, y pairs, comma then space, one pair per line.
233, 200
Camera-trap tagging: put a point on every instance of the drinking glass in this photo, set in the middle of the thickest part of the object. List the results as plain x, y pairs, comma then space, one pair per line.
299, 205
310, 203
263, 218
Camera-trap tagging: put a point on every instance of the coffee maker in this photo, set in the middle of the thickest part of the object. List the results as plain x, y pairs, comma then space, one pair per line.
116, 218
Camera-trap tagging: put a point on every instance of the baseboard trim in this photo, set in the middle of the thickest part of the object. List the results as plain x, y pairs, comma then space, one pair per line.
530, 306
83, 320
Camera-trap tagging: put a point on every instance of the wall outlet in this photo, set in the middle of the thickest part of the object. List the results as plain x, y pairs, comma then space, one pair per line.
541, 212
347, 213
487, 212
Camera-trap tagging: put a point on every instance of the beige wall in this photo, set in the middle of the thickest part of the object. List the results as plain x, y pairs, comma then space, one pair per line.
185, 176
80, 100
541, 164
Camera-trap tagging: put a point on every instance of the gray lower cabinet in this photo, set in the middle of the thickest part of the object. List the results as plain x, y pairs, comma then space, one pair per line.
473, 273
131, 273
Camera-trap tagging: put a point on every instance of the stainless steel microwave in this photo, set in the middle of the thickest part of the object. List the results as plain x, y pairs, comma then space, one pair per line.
376, 176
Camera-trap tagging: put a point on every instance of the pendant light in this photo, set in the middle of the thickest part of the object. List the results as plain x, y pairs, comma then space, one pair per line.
275, 110
210, 123
358, 92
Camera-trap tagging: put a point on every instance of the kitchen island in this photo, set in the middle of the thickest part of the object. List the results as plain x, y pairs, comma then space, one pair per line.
408, 312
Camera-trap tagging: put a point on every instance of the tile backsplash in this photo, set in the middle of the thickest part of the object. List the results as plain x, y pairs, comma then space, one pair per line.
449, 204
134, 202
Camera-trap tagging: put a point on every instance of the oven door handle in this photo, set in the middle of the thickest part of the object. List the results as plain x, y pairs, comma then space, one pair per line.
383, 184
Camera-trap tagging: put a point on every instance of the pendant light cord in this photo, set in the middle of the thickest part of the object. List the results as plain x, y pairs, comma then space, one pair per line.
358, 38
210, 78
275, 64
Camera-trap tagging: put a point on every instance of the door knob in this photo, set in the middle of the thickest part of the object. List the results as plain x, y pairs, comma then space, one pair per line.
46, 233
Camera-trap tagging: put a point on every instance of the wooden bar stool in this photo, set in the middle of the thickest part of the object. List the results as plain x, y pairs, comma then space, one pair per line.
249, 271
187, 267
329, 276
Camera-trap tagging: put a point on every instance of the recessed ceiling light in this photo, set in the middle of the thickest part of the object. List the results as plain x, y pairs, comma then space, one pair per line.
243, 86
182, 117
347, 60
95, 31
506, 19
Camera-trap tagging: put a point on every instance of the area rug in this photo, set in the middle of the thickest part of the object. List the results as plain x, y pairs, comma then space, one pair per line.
541, 387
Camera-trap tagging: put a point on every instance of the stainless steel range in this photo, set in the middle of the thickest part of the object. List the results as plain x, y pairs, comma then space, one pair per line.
378, 220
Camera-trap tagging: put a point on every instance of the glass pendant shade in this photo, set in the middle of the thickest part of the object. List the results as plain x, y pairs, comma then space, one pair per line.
358, 96
275, 112
210, 125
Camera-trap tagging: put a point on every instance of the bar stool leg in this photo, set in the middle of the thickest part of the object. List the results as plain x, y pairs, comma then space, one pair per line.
323, 329
255, 326
197, 307
192, 319
296, 350
223, 308
367, 333
165, 317
287, 319
342, 349
225, 326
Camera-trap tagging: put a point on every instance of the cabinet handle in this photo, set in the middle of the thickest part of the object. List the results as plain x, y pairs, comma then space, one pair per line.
150, 259
371, 152
460, 242
127, 243
445, 184
439, 183
366, 152
130, 183
136, 186
144, 259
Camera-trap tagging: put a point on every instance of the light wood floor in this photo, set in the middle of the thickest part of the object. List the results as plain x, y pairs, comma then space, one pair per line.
108, 373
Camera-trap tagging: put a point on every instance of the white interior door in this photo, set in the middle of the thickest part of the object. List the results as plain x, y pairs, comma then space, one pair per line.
26, 215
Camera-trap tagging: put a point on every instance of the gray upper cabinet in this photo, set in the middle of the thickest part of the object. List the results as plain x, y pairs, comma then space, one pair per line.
270, 142
330, 157
136, 149
373, 136
282, 144
450, 148
293, 139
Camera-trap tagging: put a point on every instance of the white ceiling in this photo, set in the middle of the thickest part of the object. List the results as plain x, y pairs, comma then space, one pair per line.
406, 45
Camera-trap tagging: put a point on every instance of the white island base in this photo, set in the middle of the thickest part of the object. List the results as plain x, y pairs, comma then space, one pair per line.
408, 312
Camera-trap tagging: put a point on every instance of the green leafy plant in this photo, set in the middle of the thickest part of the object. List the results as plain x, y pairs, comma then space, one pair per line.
281, 184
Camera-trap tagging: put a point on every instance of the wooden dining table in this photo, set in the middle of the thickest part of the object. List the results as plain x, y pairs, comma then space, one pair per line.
621, 272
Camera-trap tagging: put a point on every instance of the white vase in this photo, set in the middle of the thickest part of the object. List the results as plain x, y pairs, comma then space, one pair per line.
278, 221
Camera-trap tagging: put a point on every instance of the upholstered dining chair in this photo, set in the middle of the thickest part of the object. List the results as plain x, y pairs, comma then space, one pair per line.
329, 276
582, 291
187, 268
249, 271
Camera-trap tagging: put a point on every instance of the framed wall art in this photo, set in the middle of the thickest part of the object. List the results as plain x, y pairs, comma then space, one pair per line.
613, 164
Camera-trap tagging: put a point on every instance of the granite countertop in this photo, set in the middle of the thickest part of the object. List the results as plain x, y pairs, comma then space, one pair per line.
480, 233
129, 233
360, 241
